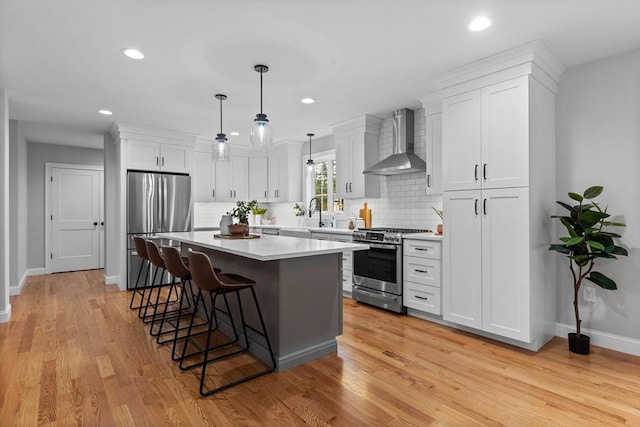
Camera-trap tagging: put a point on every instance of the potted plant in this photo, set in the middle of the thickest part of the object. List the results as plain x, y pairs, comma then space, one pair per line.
441, 215
299, 211
587, 241
258, 212
241, 212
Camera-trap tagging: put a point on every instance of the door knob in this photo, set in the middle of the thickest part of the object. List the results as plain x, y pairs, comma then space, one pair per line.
102, 223
95, 223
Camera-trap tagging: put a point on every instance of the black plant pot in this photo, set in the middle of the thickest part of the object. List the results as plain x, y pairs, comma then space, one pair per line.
579, 344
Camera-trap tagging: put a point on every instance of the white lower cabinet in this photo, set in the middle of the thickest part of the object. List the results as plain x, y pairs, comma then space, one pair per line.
486, 261
347, 257
421, 275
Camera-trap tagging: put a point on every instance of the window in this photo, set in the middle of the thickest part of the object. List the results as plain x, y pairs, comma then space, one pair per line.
321, 182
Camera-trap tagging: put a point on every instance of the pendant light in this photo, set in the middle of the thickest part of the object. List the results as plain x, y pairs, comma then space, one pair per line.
221, 144
310, 163
260, 135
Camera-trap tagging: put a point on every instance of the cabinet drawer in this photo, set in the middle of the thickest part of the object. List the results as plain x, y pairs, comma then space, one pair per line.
422, 248
347, 281
321, 236
347, 261
423, 298
421, 270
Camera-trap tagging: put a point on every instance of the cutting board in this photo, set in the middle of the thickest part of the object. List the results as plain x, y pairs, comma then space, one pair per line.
365, 213
236, 236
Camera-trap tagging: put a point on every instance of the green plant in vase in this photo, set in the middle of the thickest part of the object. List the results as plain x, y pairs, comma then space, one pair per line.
242, 210
587, 241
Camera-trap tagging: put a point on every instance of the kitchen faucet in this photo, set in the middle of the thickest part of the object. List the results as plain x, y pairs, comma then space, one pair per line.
316, 207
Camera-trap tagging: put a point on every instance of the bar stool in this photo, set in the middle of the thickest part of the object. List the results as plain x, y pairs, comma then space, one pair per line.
176, 267
157, 261
207, 280
141, 250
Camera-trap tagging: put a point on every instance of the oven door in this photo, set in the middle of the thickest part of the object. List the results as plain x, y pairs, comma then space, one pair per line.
379, 267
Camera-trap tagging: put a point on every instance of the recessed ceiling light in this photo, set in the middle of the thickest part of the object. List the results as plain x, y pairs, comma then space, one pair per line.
133, 53
307, 100
480, 23
234, 133
105, 112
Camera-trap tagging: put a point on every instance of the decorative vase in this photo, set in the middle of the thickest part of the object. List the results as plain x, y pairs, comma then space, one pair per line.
238, 229
579, 345
259, 219
300, 220
439, 229
253, 219
225, 222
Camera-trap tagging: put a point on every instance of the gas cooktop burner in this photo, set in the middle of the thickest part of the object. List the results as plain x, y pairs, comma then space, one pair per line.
383, 234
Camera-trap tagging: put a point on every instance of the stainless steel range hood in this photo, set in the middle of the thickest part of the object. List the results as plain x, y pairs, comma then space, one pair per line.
402, 160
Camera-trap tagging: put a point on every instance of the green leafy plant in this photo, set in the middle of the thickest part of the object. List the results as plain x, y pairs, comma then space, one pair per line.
256, 210
241, 211
298, 209
586, 242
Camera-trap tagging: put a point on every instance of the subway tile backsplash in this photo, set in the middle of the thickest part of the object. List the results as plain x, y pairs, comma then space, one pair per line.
402, 203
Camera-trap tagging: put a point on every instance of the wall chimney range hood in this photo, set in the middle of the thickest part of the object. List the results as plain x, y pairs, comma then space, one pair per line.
403, 160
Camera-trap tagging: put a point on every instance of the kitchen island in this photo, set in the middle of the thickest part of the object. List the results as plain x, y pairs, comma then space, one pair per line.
298, 284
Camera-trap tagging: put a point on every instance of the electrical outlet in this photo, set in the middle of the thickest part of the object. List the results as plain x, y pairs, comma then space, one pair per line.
589, 294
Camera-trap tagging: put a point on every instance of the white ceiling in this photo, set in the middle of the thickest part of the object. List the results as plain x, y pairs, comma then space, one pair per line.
60, 61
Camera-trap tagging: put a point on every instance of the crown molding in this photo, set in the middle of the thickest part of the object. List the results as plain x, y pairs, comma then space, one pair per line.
146, 133
533, 58
366, 123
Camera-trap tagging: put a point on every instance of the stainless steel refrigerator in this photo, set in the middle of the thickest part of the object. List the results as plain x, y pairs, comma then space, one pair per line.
156, 203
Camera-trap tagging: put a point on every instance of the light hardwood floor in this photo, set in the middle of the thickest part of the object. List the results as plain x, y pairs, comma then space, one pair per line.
74, 354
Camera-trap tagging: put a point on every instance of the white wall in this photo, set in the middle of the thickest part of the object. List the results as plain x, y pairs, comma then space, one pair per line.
18, 191
598, 143
37, 156
110, 210
5, 306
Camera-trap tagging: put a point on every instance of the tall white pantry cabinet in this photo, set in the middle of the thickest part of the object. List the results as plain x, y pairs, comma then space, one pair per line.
498, 129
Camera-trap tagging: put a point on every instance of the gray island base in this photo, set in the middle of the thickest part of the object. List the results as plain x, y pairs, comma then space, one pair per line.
298, 284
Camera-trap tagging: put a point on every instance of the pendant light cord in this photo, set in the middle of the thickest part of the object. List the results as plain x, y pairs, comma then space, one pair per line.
260, 91
220, 114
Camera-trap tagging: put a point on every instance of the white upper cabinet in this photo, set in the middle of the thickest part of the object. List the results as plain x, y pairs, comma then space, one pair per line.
434, 153
154, 156
285, 173
203, 177
357, 148
486, 137
232, 179
258, 179
432, 105
461, 133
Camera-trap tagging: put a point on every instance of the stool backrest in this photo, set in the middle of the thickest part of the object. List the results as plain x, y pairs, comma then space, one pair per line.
202, 272
173, 261
141, 247
154, 254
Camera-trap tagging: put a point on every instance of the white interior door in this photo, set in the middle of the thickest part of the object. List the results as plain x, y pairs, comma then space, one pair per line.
75, 219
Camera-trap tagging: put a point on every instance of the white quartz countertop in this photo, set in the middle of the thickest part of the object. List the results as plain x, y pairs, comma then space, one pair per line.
265, 248
422, 236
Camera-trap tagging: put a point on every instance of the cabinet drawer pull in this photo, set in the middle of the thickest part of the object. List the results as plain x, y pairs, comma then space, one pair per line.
484, 206
419, 297
476, 206
429, 180
213, 193
475, 173
350, 190
346, 187
484, 171
421, 271
421, 249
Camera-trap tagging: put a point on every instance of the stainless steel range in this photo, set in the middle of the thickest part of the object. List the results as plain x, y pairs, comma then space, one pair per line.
377, 272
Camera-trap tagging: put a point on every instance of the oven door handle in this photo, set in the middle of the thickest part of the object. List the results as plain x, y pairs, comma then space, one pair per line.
379, 246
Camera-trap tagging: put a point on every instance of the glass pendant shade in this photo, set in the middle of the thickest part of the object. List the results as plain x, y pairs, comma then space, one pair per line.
221, 148
221, 144
260, 135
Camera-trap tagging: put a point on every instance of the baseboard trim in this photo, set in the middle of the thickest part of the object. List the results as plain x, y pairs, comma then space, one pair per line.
603, 339
5, 315
113, 280
17, 290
